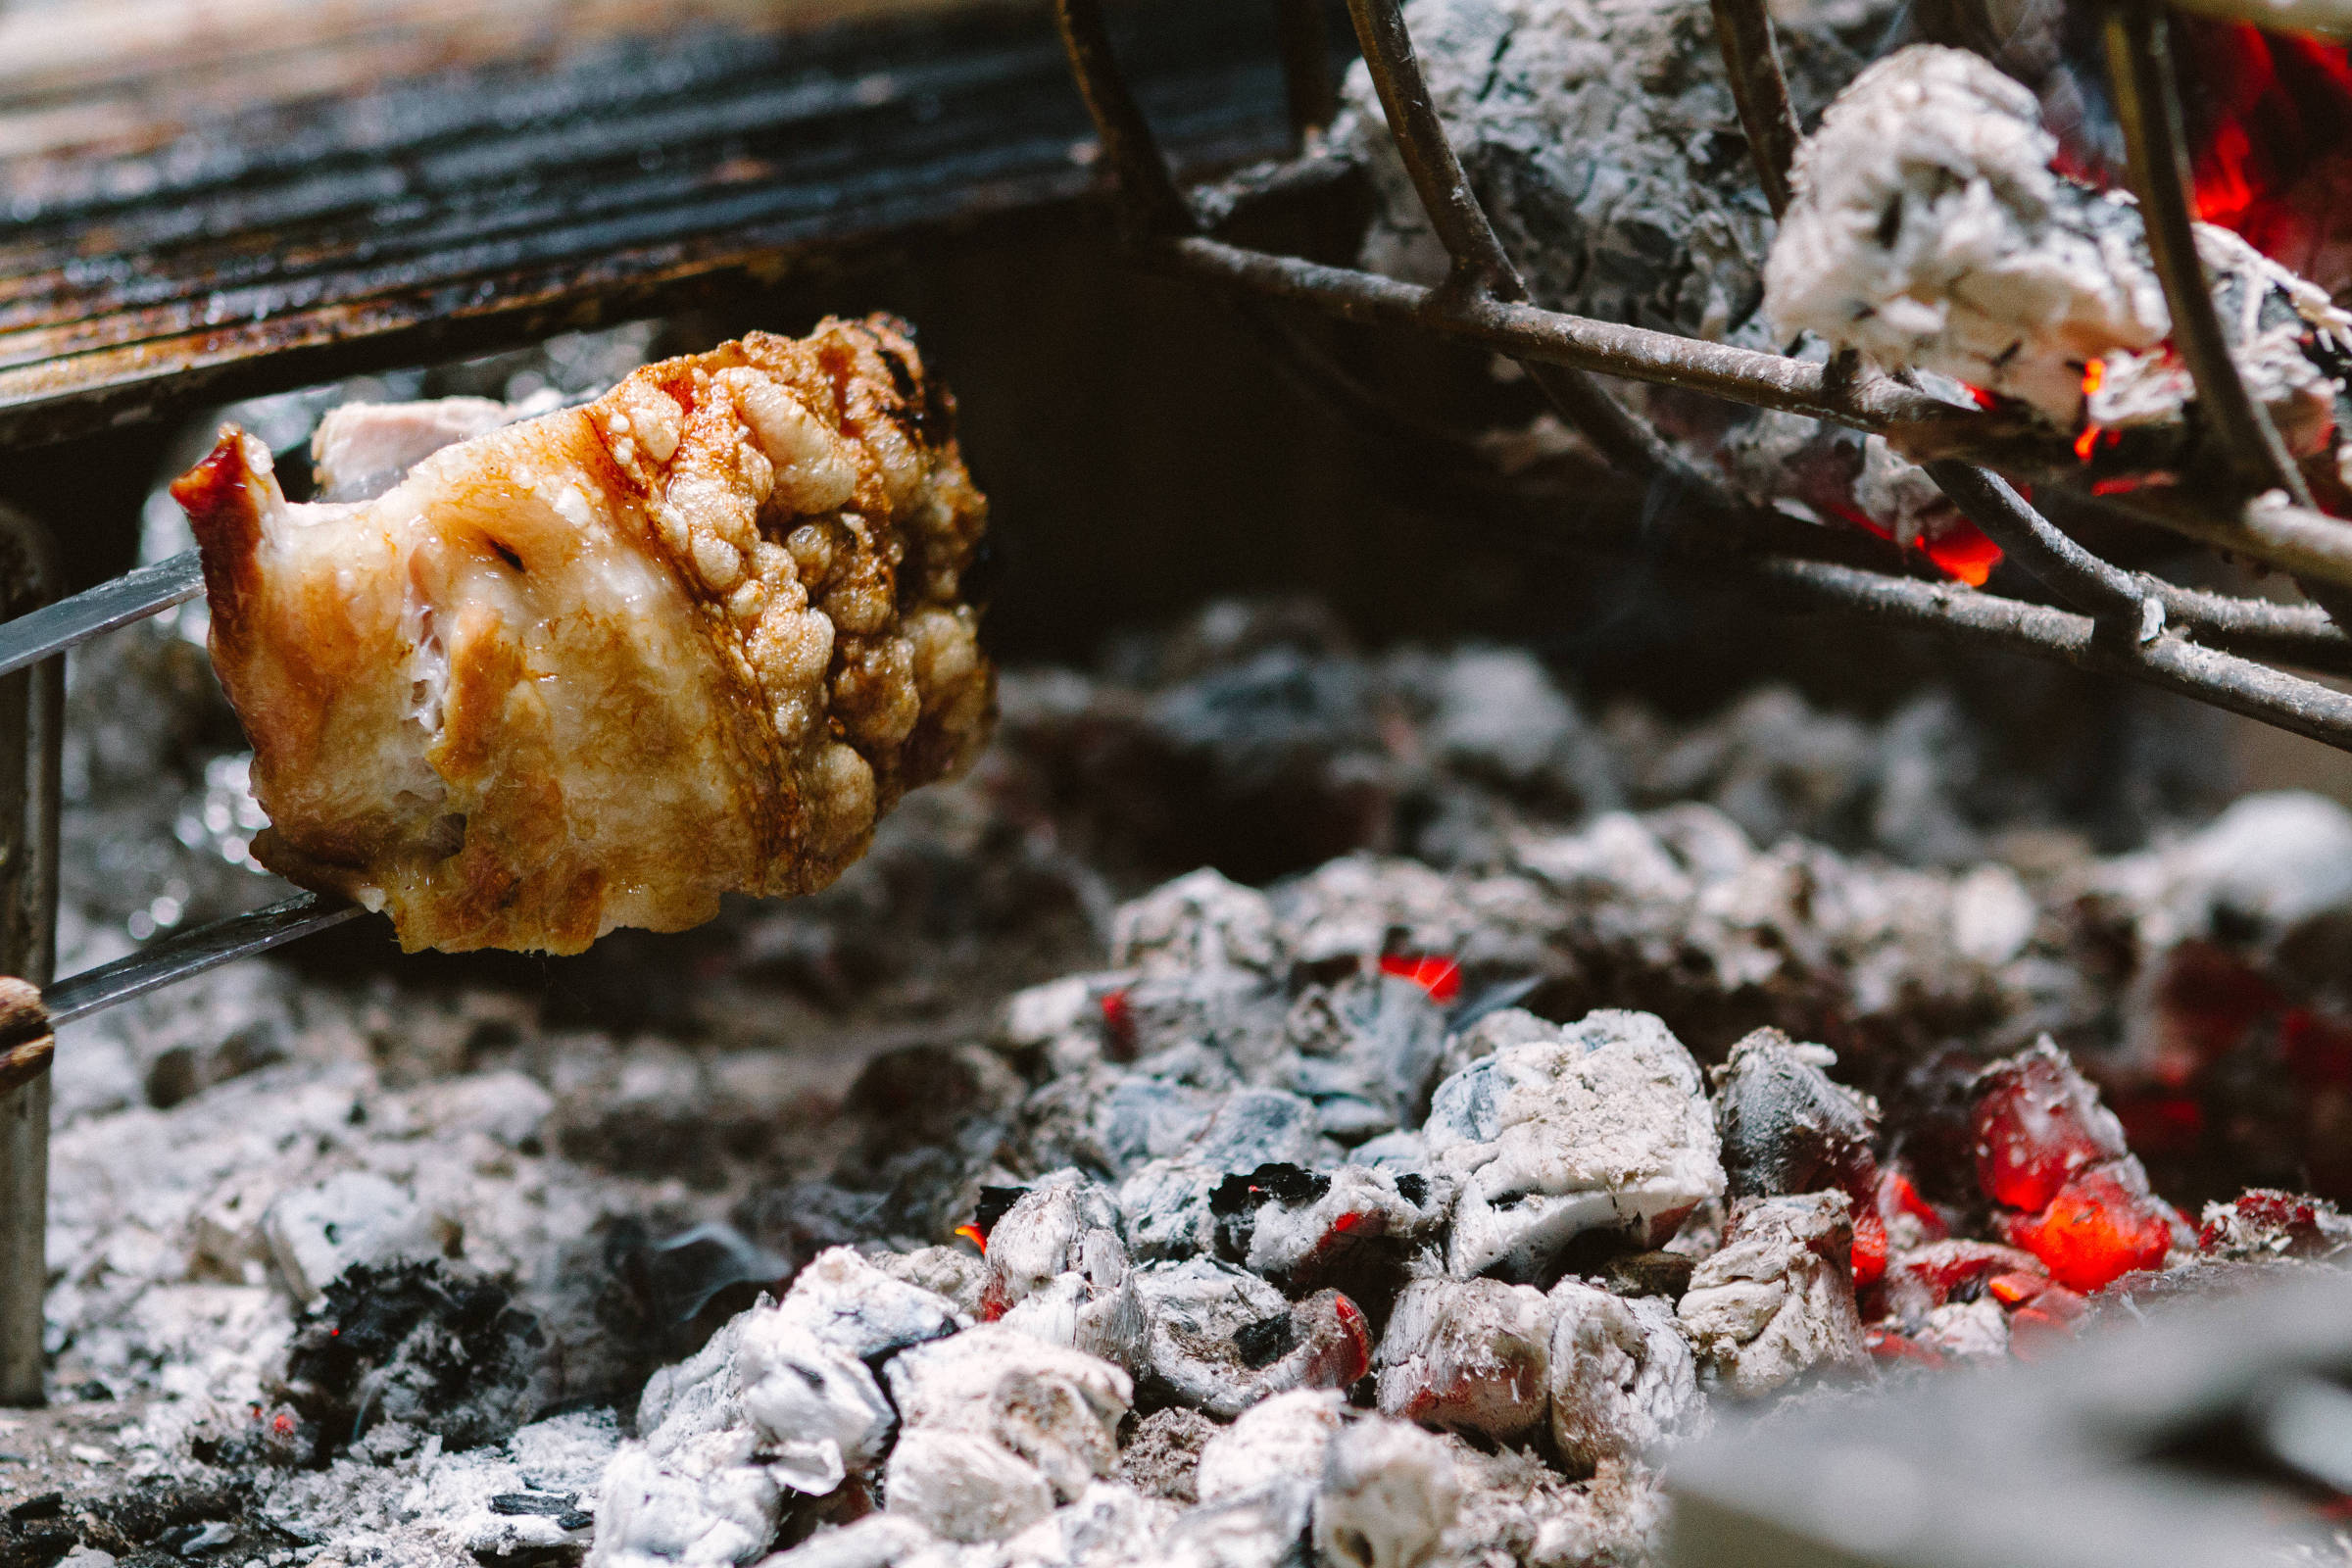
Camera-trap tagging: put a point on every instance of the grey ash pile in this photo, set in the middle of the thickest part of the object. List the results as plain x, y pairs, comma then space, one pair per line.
1402, 1180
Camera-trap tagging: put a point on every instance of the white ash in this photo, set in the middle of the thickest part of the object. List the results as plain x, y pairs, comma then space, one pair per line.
1778, 1301
1468, 1356
534, 1494
1279, 1441
1603, 1128
1926, 228
1624, 1383
1603, 143
1369, 1492
1978, 1330
1389, 1496
996, 1421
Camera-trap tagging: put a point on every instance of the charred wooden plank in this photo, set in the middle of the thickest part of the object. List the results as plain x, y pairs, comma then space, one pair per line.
279, 243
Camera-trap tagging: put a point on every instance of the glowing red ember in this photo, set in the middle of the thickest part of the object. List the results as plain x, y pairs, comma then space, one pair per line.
1870, 1250
2100, 1227
2038, 1121
1118, 1022
2272, 117
1434, 973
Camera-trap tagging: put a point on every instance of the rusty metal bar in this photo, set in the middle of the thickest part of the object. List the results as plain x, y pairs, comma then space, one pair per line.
1874, 403
2168, 662
1751, 56
1147, 193
1481, 266
31, 730
2091, 585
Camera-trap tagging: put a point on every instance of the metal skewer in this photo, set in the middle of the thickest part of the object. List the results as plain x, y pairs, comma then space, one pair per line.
28, 802
134, 596
191, 953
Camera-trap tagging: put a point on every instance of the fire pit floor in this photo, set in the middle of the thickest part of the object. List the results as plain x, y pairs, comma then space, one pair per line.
1578, 1079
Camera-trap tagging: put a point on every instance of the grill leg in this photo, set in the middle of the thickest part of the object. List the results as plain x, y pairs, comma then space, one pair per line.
31, 728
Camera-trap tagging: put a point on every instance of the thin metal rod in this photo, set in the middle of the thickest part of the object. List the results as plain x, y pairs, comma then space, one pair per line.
190, 953
1751, 56
1306, 44
1871, 402
1149, 199
2071, 572
136, 595
1479, 262
2314, 546
2147, 102
2240, 685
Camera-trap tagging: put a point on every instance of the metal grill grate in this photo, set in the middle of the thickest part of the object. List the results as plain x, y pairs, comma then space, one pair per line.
2219, 649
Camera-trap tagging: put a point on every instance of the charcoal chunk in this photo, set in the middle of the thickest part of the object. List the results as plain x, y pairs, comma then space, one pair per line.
438, 1345
1786, 1126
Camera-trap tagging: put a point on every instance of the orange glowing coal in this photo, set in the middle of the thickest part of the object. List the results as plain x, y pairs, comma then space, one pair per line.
2272, 121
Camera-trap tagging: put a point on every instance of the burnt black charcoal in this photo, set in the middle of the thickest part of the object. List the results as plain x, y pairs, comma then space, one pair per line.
1932, 1112
1666, 1274
46, 1505
1413, 1188
438, 1345
994, 1202
1240, 1193
683, 1273
1266, 1342
153, 1522
1786, 1128
544, 1504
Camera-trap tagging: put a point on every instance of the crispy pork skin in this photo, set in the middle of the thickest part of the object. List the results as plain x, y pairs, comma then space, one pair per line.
599, 667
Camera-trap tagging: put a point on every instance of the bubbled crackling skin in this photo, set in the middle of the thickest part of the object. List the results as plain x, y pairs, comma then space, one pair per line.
599, 667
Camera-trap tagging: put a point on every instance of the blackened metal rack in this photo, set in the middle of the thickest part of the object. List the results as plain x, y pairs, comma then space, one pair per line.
2236, 652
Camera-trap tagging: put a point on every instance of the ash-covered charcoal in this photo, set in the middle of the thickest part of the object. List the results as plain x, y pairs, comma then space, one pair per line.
1778, 1301
1603, 142
1389, 1496
1219, 1339
1624, 1383
437, 1346
1468, 1356
1355, 1231
2273, 1224
998, 1426
1367, 1492
1928, 228
1367, 1052
782, 1400
1278, 1443
1786, 1127
1045, 1231
1202, 922
1603, 1128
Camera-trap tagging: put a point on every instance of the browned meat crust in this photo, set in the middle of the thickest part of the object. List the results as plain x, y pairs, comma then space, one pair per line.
597, 669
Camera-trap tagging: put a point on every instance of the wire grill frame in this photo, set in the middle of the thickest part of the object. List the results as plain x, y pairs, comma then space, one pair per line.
2222, 649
